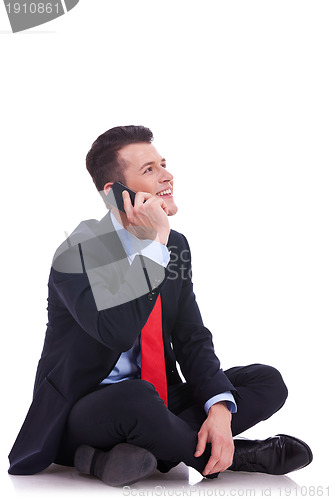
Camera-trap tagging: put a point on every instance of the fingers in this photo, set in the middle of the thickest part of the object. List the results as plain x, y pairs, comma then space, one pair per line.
148, 199
141, 198
213, 462
222, 451
214, 459
148, 218
164, 206
142, 201
201, 444
221, 457
127, 204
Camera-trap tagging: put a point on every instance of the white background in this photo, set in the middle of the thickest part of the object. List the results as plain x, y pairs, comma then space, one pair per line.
239, 97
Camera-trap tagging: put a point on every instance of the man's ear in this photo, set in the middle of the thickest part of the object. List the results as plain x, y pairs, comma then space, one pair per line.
105, 192
107, 187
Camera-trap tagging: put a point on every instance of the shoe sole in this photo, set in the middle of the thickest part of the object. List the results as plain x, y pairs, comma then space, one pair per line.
109, 466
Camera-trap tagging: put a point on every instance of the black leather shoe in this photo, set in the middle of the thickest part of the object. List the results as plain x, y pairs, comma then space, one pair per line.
122, 465
276, 455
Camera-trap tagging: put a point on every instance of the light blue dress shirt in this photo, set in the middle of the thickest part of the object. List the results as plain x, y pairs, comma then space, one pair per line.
129, 364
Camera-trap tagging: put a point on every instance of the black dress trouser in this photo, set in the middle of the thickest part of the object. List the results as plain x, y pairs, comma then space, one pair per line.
132, 411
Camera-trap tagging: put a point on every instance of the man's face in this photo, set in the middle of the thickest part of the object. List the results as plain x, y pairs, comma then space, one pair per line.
146, 171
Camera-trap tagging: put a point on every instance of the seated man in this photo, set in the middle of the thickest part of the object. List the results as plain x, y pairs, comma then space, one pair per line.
108, 398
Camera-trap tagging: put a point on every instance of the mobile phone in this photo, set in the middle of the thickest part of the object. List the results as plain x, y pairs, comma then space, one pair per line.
115, 196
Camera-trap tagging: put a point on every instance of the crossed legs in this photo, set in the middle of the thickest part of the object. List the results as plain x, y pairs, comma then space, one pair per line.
132, 412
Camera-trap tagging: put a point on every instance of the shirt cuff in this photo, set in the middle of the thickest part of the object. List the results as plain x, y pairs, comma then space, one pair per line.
156, 252
224, 396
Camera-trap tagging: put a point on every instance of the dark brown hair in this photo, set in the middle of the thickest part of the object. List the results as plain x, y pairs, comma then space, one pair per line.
102, 159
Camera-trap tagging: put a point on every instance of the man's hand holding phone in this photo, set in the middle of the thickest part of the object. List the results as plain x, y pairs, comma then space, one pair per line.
147, 219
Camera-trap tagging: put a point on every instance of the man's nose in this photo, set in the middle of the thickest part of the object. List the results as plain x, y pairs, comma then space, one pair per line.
165, 175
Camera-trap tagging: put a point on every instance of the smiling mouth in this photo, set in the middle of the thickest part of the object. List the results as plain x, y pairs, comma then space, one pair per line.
166, 192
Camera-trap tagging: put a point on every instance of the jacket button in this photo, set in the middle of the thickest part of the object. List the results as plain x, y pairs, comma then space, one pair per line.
151, 295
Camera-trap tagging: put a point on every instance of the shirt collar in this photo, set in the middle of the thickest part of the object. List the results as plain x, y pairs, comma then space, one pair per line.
131, 243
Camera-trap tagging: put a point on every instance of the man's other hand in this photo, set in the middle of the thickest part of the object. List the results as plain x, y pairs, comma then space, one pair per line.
216, 430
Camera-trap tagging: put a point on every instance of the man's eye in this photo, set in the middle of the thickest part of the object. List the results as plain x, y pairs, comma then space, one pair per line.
149, 169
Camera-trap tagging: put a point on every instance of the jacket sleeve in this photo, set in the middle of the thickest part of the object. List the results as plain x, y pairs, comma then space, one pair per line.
193, 344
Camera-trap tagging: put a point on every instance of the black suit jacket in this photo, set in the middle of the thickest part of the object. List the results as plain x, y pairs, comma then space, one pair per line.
97, 306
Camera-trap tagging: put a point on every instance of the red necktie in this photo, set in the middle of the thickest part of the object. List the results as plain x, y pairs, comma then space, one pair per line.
152, 349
